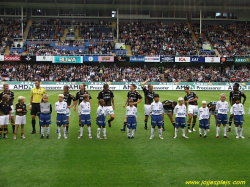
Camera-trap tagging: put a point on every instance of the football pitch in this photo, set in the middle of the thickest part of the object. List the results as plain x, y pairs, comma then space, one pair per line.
119, 161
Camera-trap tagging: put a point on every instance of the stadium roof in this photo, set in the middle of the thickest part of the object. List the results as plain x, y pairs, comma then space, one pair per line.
131, 4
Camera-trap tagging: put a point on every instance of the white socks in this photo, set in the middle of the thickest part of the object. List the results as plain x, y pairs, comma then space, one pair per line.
89, 130
218, 131
42, 131
47, 131
81, 131
64, 131
236, 131
128, 132
183, 132
133, 132
59, 130
98, 132
152, 132
160, 132
176, 131
225, 130
241, 131
205, 131
104, 131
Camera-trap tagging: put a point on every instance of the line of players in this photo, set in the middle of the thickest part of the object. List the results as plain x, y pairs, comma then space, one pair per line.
108, 96
191, 100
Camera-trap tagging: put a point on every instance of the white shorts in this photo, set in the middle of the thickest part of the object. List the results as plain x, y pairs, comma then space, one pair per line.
4, 120
211, 113
108, 110
12, 110
167, 111
193, 109
147, 110
20, 120
68, 112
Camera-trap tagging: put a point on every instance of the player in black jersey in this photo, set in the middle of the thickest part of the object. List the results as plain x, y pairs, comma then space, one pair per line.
191, 99
79, 98
68, 98
211, 106
168, 107
149, 98
108, 96
236, 93
135, 96
12, 97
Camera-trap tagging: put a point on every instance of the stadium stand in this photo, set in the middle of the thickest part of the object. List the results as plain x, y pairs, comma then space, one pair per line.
87, 73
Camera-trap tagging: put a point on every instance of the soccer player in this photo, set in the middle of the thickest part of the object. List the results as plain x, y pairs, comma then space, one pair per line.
131, 118
7, 91
203, 114
108, 96
135, 96
180, 117
156, 117
168, 107
191, 99
149, 98
68, 98
61, 110
211, 106
21, 112
5, 113
35, 100
100, 120
85, 110
222, 108
237, 111
79, 98
45, 116
232, 99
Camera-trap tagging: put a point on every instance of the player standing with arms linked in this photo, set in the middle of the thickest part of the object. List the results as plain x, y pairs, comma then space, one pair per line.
149, 98
79, 98
10, 102
68, 98
35, 100
135, 96
191, 99
108, 96
236, 93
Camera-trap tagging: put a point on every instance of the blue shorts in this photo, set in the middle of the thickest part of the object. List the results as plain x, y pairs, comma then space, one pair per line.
45, 119
100, 121
85, 119
204, 124
156, 120
61, 119
222, 119
180, 122
131, 123
238, 120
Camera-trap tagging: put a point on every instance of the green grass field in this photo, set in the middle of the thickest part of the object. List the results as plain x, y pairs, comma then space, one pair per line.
119, 161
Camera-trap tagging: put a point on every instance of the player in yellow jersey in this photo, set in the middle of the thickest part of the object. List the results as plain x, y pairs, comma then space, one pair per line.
35, 100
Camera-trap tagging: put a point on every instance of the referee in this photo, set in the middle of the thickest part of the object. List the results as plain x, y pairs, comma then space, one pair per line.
35, 100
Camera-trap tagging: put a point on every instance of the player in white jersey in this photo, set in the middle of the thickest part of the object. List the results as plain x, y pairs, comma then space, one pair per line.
131, 118
156, 117
180, 117
100, 120
85, 110
222, 107
203, 114
237, 111
61, 110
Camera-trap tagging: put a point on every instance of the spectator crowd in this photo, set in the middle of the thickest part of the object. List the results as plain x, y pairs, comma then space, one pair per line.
86, 73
